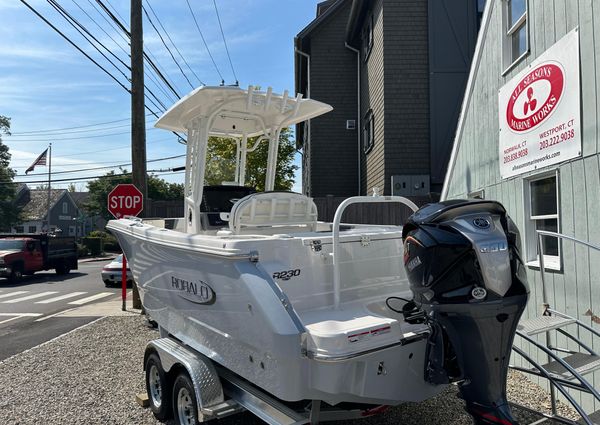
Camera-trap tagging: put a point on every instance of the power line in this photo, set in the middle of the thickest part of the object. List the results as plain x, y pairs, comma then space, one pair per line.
73, 179
225, 43
79, 28
204, 41
105, 167
124, 29
167, 47
173, 43
72, 128
60, 139
74, 45
100, 26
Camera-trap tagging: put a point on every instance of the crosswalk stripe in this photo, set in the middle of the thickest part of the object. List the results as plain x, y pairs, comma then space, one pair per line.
92, 298
30, 297
12, 294
61, 297
17, 316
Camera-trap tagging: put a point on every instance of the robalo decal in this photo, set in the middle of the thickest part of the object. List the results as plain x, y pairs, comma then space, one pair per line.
535, 97
198, 292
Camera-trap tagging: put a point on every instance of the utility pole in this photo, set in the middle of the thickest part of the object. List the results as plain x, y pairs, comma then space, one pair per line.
138, 115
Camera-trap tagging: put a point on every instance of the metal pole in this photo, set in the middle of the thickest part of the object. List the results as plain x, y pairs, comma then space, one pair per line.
138, 119
546, 306
124, 283
49, 182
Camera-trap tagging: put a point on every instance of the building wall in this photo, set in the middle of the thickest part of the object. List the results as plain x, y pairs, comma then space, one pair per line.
406, 88
333, 154
575, 289
65, 219
372, 97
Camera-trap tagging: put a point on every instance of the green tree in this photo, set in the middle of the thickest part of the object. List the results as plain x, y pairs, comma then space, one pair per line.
220, 162
158, 190
9, 213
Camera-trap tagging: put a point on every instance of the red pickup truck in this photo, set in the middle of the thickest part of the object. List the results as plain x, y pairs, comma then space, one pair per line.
25, 254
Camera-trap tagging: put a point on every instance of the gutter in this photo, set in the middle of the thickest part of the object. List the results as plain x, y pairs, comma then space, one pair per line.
468, 93
358, 87
308, 137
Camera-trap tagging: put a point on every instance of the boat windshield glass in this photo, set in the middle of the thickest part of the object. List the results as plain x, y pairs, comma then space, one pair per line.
11, 244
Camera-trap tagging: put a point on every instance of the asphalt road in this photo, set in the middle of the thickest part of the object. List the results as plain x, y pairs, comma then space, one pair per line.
28, 309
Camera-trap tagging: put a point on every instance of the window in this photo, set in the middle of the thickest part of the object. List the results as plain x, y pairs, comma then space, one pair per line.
32, 229
516, 40
543, 215
65, 208
19, 229
368, 131
367, 38
477, 194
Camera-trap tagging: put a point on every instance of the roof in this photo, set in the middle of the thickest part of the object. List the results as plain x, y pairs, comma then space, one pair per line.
322, 17
355, 20
37, 207
79, 198
237, 111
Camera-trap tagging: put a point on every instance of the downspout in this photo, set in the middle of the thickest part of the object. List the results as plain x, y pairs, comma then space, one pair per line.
358, 108
307, 56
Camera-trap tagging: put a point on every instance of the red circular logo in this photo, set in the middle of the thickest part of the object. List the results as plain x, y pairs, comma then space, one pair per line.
535, 97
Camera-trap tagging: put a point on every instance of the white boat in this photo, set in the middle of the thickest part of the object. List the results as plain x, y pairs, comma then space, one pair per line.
256, 284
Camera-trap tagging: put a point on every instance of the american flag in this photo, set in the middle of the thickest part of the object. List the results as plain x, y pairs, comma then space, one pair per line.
41, 160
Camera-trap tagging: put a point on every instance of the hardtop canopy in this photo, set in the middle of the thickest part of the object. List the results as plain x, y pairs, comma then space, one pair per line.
240, 112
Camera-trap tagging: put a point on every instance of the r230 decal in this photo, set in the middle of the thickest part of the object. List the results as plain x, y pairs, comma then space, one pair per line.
286, 274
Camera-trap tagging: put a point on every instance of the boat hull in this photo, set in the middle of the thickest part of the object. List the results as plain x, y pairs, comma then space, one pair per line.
230, 309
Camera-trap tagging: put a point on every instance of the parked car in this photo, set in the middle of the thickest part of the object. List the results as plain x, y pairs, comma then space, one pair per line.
111, 273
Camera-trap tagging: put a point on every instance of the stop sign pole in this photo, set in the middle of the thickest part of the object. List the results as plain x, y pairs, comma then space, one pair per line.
125, 200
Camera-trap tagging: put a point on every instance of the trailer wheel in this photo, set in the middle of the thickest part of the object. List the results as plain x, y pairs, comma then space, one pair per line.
185, 406
157, 387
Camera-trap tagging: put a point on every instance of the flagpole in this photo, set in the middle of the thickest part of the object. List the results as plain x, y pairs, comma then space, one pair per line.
49, 180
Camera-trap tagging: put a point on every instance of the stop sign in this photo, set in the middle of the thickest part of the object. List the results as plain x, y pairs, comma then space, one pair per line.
125, 199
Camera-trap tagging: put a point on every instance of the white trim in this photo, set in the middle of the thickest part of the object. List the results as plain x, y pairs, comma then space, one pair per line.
507, 61
522, 19
551, 262
489, 7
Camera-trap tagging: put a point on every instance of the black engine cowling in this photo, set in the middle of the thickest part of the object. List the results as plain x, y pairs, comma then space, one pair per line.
463, 263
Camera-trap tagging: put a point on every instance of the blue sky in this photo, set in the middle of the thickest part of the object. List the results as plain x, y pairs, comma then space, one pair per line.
46, 84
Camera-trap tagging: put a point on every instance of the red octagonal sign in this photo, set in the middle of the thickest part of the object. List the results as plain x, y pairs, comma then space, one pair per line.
125, 199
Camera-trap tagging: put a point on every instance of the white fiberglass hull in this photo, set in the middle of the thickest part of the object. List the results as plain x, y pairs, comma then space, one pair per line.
225, 304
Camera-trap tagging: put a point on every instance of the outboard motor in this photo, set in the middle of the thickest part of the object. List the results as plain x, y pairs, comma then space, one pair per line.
463, 262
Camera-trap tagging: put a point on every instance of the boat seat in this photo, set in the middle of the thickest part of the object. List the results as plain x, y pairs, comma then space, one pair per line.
276, 212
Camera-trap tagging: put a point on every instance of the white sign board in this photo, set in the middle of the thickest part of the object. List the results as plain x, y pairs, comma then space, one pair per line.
540, 123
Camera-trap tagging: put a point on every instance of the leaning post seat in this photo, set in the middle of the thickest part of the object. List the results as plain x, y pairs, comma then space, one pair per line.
273, 209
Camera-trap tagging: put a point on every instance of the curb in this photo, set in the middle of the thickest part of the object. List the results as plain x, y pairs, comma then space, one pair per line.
95, 259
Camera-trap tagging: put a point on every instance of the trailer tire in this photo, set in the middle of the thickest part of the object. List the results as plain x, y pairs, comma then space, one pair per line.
185, 405
158, 388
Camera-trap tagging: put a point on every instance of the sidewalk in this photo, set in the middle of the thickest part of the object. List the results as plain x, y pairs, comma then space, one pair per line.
105, 257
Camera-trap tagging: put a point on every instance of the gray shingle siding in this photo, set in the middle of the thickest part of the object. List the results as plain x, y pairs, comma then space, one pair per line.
333, 157
406, 88
373, 97
414, 105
